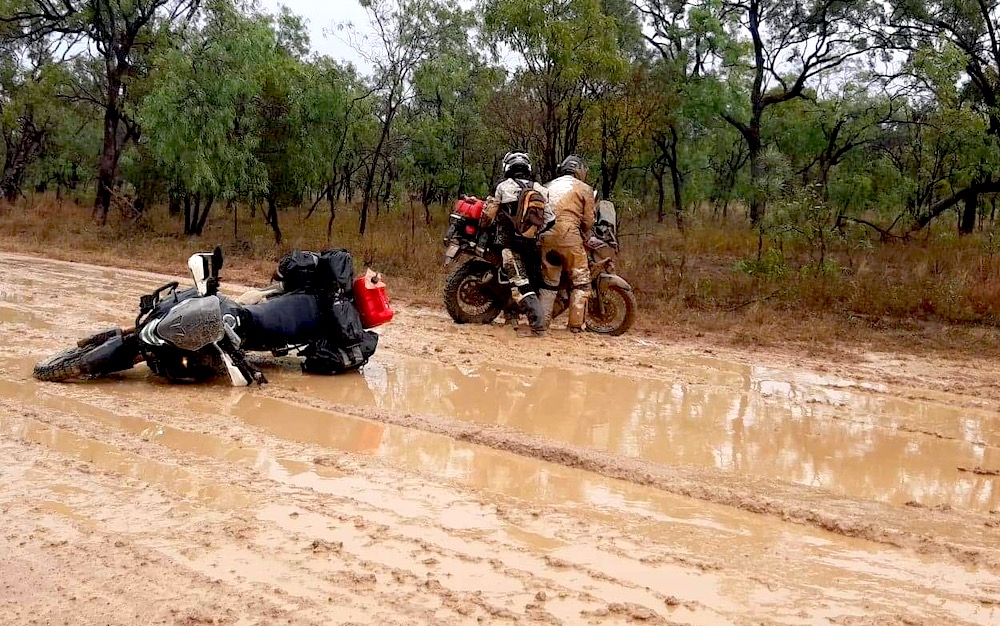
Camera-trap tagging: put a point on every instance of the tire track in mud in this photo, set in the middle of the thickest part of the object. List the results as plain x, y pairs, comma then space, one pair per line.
368, 553
863, 519
596, 569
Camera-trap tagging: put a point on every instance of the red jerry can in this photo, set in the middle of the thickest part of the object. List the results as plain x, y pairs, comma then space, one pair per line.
371, 299
469, 207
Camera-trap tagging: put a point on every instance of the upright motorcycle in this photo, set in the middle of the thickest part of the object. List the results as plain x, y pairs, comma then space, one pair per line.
478, 290
196, 334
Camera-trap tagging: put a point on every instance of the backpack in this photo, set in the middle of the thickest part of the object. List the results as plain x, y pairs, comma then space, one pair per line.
297, 269
529, 220
330, 271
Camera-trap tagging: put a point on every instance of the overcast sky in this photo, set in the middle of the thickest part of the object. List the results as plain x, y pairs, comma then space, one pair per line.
322, 16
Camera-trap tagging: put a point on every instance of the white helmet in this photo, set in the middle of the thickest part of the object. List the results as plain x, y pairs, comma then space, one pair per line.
516, 162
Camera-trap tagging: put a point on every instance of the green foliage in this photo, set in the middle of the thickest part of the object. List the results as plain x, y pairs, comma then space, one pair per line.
203, 119
770, 265
668, 101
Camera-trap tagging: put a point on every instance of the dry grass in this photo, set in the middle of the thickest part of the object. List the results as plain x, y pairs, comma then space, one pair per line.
938, 293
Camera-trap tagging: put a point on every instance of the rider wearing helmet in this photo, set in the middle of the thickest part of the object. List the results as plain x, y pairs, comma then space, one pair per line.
516, 247
572, 201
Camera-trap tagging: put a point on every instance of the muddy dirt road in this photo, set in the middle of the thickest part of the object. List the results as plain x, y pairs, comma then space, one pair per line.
470, 477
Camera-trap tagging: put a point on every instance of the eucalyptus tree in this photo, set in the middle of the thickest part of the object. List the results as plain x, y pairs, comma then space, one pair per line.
407, 33
954, 53
565, 48
117, 32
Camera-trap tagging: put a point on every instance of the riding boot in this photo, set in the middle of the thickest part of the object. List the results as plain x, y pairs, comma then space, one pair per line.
536, 317
548, 299
577, 308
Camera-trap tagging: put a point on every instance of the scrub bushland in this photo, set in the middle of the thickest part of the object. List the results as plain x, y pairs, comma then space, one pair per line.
934, 291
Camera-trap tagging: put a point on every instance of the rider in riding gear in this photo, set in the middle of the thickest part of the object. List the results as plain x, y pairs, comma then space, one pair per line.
517, 247
572, 201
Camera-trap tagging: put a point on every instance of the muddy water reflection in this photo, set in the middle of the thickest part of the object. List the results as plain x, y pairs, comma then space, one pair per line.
741, 419
10, 316
111, 459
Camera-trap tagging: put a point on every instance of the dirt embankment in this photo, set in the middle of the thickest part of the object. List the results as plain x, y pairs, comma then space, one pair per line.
472, 477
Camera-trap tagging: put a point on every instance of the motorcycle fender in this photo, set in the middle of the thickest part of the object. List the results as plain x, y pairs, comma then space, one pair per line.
453, 253
236, 376
116, 354
606, 279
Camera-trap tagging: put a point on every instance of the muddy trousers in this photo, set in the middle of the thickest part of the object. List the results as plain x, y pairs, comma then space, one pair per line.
571, 258
523, 293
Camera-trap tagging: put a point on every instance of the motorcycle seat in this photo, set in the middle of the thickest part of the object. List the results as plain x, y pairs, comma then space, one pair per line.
288, 319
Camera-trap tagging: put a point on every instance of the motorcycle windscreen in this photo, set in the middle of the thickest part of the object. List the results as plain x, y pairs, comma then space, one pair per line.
193, 324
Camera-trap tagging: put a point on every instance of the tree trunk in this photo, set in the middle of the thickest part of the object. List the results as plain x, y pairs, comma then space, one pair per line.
661, 196
676, 176
187, 214
109, 153
677, 183
332, 199
967, 224
199, 226
939, 207
272, 217
370, 183
756, 174
19, 156
196, 214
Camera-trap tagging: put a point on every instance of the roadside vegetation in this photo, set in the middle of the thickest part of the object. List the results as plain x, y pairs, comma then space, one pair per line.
783, 170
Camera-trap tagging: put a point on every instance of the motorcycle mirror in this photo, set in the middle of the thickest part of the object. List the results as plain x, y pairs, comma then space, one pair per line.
216, 261
201, 271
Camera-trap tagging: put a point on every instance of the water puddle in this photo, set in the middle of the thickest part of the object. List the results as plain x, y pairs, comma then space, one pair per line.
703, 532
747, 420
11, 316
805, 430
111, 459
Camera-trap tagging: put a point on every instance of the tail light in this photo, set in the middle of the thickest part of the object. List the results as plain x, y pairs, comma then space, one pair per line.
470, 229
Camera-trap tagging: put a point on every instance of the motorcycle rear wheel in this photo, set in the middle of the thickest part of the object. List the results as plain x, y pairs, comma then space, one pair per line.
619, 311
466, 299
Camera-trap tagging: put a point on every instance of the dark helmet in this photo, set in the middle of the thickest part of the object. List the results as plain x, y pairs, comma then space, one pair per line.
516, 163
573, 166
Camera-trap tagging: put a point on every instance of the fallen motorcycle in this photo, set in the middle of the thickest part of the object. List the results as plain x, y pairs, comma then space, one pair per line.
478, 290
317, 308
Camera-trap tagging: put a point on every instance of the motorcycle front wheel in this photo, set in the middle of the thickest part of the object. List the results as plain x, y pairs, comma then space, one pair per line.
619, 311
82, 360
467, 299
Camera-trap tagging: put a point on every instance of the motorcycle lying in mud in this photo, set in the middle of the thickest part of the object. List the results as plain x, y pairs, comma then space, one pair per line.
317, 309
478, 290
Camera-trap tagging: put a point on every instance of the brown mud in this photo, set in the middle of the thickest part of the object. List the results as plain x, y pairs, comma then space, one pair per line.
468, 476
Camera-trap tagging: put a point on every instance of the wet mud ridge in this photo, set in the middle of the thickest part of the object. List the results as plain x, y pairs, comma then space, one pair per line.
468, 477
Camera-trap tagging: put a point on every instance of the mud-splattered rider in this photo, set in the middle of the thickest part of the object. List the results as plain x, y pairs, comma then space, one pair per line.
517, 242
572, 201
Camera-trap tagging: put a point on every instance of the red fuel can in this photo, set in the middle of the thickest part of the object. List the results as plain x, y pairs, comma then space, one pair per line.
371, 299
469, 207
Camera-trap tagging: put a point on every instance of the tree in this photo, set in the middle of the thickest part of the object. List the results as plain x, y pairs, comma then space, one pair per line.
446, 136
28, 81
790, 45
568, 47
119, 32
947, 39
203, 116
407, 32
688, 95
